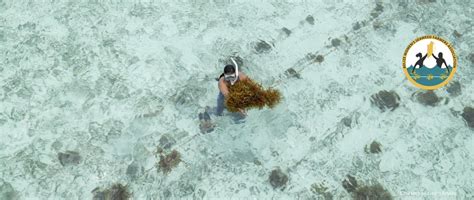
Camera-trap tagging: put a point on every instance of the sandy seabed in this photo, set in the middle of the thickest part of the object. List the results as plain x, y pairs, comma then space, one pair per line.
114, 80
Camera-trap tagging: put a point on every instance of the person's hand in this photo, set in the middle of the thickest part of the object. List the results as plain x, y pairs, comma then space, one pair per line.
242, 111
225, 93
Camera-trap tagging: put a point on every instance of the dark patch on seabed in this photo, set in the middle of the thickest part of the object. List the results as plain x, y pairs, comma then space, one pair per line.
114, 100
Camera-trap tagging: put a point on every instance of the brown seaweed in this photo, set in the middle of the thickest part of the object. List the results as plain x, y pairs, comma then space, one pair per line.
247, 94
278, 179
116, 192
372, 192
169, 161
374, 147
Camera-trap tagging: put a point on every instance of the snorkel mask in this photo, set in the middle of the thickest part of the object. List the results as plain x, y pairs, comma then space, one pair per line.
232, 78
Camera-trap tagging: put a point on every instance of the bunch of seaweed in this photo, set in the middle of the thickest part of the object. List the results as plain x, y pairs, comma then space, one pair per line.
278, 179
374, 147
375, 192
363, 192
322, 190
247, 94
116, 192
168, 162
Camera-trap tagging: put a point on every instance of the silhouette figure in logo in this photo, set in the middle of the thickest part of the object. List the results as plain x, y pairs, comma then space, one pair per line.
419, 62
440, 60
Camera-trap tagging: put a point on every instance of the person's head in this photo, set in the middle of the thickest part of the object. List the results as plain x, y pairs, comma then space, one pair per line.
229, 69
418, 55
440, 55
229, 73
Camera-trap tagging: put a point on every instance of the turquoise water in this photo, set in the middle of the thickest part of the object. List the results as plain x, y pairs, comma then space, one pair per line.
92, 91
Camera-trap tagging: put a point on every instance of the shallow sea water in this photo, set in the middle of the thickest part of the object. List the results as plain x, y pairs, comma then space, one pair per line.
114, 80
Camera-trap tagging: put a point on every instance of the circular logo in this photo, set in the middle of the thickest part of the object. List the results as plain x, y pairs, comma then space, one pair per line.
429, 62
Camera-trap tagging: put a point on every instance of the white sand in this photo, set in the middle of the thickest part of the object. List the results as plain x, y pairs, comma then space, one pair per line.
104, 79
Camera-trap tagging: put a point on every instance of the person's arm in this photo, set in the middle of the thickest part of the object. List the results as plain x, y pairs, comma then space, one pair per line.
424, 56
434, 56
223, 87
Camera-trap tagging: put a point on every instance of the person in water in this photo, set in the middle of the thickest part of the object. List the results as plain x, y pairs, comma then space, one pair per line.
420, 61
230, 76
227, 79
440, 60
